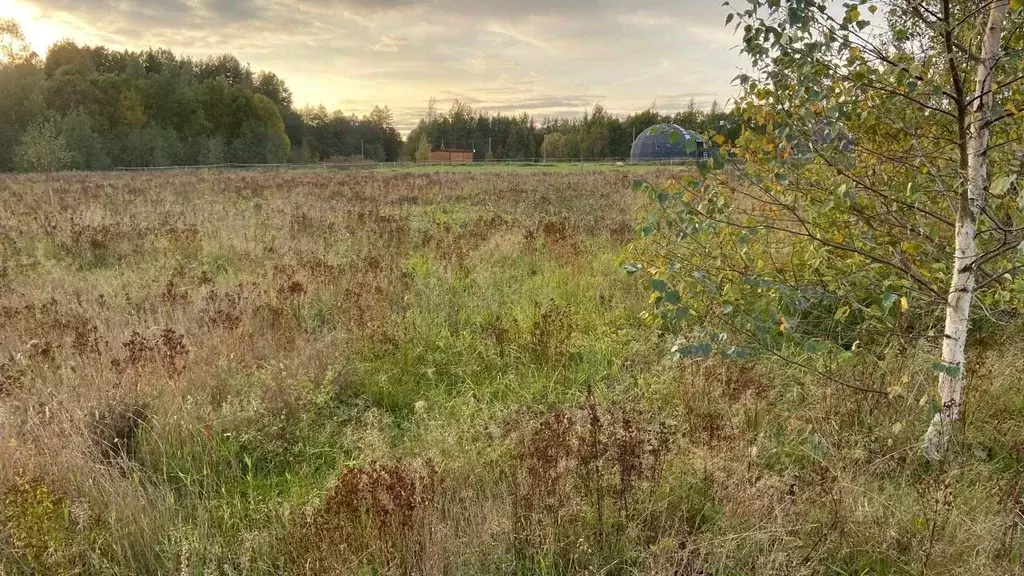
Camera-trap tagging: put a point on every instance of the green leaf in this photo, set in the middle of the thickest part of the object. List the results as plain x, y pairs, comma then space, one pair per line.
1001, 185
717, 161
671, 298
815, 347
696, 350
888, 299
920, 524
737, 353
660, 286
947, 369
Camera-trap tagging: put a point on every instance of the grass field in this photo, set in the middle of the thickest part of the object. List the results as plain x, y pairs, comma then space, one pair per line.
437, 372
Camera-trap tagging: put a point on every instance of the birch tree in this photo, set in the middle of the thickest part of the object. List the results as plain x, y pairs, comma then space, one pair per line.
875, 203
974, 120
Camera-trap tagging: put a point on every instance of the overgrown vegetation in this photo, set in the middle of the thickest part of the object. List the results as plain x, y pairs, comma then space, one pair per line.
439, 373
877, 203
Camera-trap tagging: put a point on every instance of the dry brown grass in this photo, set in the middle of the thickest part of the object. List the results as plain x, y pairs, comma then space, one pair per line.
433, 373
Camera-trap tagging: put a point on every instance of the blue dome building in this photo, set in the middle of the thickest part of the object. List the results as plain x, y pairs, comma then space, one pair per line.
664, 142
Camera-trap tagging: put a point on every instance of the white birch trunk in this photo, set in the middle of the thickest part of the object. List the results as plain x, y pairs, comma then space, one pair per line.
972, 203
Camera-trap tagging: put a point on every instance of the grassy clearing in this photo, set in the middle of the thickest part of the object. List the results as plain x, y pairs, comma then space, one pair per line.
435, 373
531, 168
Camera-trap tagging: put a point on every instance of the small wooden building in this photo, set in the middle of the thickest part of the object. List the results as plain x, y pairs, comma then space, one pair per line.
451, 156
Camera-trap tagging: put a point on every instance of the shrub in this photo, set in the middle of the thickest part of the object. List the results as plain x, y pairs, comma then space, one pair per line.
42, 148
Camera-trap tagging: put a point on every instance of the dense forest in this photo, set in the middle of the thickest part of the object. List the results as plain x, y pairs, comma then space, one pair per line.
595, 135
90, 108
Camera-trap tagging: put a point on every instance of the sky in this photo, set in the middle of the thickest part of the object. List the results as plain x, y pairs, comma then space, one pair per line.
541, 57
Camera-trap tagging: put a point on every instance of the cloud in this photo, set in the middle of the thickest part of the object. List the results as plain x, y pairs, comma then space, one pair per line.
535, 56
388, 43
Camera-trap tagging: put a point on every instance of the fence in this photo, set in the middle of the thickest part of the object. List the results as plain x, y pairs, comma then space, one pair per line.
329, 166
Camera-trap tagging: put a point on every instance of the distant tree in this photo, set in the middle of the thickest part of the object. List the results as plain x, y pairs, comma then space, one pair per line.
295, 128
213, 151
431, 110
375, 152
70, 89
225, 67
251, 145
67, 54
130, 111
42, 149
553, 147
423, 150
460, 124
159, 62
302, 154
279, 147
84, 145
14, 48
692, 118
163, 146
571, 146
169, 98
22, 86
379, 130
273, 87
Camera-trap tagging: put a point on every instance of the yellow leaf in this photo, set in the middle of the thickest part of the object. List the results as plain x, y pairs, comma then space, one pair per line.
783, 325
904, 305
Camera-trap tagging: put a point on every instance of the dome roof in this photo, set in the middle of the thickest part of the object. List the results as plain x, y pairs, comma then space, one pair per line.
666, 142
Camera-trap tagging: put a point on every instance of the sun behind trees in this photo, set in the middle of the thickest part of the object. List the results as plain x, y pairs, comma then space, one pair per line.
93, 108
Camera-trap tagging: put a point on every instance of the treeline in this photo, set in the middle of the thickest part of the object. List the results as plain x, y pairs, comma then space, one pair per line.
596, 135
91, 108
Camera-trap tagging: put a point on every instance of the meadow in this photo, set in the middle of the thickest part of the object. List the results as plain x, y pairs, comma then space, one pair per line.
439, 372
